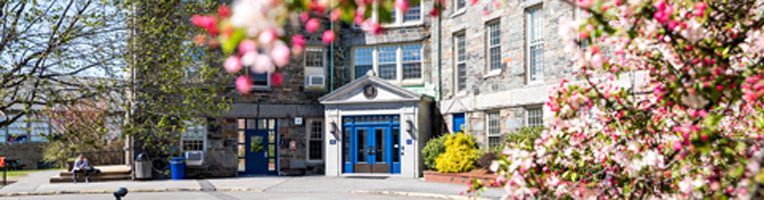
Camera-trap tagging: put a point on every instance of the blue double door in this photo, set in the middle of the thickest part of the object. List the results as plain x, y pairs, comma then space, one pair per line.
372, 146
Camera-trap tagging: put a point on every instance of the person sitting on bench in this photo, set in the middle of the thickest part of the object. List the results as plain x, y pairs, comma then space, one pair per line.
81, 166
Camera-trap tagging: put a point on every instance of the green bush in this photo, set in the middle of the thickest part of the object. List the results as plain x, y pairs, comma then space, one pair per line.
523, 137
460, 155
433, 149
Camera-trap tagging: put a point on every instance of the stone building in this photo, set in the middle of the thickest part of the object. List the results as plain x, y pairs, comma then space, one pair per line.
369, 103
497, 68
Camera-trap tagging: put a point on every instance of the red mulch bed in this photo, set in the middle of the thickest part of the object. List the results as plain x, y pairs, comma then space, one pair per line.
460, 178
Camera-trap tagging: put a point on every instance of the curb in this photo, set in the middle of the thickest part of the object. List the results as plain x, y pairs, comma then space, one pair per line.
416, 194
141, 190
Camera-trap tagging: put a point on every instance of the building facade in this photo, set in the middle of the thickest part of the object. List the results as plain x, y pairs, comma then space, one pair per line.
367, 104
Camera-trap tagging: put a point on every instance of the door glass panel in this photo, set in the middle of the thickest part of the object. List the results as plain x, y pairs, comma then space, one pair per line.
379, 138
242, 137
242, 165
396, 145
272, 164
242, 151
345, 145
251, 123
272, 124
361, 145
262, 124
272, 137
271, 150
242, 123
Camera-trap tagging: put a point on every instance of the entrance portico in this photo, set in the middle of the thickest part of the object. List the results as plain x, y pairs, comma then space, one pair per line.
375, 127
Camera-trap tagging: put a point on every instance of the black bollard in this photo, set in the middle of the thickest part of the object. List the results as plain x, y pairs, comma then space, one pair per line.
121, 192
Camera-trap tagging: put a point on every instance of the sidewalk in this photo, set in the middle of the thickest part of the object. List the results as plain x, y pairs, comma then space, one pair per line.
37, 184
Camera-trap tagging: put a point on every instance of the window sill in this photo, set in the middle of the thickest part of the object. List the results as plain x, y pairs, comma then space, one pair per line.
459, 12
404, 24
411, 82
492, 73
261, 88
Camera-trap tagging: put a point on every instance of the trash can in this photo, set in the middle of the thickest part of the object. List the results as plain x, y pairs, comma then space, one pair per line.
177, 168
142, 167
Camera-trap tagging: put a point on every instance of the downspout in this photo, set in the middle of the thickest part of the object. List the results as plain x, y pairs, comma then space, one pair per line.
331, 60
439, 96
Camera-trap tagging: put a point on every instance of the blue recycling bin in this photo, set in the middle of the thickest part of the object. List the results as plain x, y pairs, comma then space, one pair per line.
177, 168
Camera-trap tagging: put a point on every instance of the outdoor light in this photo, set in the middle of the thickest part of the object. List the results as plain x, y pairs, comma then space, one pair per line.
121, 192
333, 129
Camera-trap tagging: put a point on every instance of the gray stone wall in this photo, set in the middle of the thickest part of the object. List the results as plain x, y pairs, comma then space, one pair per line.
26, 154
513, 76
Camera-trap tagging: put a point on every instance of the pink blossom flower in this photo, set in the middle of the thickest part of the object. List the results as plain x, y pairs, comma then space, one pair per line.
280, 55
276, 79
585, 3
312, 25
328, 37
232, 64
597, 60
268, 36
243, 84
224, 11
247, 46
402, 5
699, 9
262, 64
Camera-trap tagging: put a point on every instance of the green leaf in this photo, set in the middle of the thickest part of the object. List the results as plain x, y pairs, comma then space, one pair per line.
230, 44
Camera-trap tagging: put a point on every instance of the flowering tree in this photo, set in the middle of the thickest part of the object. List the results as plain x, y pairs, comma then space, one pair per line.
254, 33
667, 103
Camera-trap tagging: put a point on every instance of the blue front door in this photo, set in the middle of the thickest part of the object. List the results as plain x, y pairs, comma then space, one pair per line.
372, 144
458, 122
260, 142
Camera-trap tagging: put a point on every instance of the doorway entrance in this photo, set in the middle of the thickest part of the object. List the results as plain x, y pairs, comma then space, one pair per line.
258, 147
371, 144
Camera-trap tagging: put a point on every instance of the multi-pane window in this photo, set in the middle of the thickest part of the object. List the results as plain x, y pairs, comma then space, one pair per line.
493, 46
461, 62
395, 63
387, 60
315, 140
535, 51
362, 61
460, 4
193, 138
494, 132
535, 117
412, 61
39, 128
413, 14
314, 67
17, 131
260, 80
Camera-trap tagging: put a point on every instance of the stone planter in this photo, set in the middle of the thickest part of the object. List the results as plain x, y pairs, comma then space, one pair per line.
459, 178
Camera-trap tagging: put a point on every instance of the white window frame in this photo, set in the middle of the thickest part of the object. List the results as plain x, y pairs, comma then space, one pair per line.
459, 10
528, 116
529, 13
399, 20
488, 46
407, 81
489, 133
398, 63
309, 138
261, 87
457, 61
313, 71
183, 138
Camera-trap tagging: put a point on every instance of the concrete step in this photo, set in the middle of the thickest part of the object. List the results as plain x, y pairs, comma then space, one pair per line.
95, 178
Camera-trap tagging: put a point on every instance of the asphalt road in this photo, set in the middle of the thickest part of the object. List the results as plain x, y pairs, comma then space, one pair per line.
220, 196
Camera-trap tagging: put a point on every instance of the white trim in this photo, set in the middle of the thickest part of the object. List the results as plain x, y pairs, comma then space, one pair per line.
487, 34
459, 11
528, 44
463, 35
400, 21
308, 133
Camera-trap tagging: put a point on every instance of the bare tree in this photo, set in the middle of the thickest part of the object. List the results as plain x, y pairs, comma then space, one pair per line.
58, 52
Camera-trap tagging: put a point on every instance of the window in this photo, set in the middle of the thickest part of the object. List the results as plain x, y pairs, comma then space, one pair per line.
363, 61
393, 63
461, 64
494, 132
413, 14
316, 80
535, 51
260, 80
387, 60
39, 129
314, 57
316, 140
460, 5
493, 45
17, 131
535, 117
412, 61
194, 137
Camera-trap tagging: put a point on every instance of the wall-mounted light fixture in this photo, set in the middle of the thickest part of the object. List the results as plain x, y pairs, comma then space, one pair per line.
411, 129
334, 130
